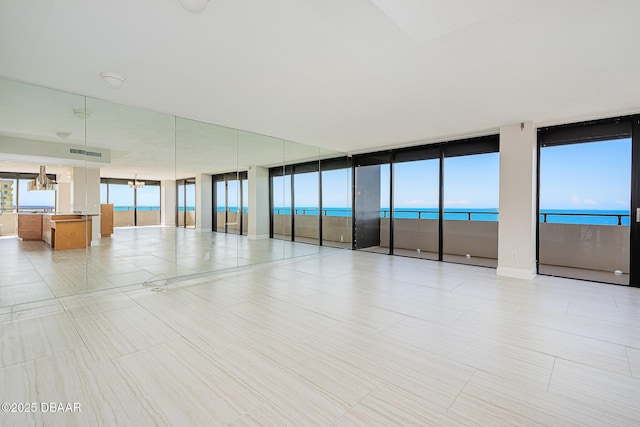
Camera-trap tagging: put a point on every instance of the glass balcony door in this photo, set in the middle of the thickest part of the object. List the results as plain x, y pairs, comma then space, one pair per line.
336, 188
584, 229
186, 206
281, 215
416, 203
306, 220
231, 199
471, 193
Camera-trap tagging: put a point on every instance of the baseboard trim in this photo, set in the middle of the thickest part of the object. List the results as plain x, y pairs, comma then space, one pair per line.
257, 236
516, 273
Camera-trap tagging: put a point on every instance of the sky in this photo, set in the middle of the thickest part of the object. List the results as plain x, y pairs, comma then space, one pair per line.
587, 176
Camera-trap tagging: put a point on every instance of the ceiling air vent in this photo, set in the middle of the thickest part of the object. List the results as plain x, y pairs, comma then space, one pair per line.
88, 153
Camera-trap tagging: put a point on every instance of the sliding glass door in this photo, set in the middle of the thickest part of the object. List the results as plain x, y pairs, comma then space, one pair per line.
186, 206
437, 201
585, 201
416, 202
231, 199
306, 219
471, 175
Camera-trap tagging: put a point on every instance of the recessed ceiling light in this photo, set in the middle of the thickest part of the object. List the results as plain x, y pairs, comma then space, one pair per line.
194, 6
64, 135
81, 113
112, 80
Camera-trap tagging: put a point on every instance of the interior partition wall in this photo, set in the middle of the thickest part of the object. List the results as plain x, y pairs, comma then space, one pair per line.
588, 200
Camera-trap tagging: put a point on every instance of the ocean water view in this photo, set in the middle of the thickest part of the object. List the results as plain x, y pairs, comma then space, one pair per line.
557, 216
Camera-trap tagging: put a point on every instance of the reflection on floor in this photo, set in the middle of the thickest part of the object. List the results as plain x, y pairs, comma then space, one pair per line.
458, 259
584, 274
31, 271
328, 243
339, 338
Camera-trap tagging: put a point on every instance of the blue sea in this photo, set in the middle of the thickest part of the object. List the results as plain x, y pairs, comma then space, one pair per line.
140, 208
558, 216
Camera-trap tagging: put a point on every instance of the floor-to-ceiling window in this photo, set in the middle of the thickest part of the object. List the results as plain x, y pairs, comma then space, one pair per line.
15, 197
123, 199
148, 204
437, 201
416, 202
471, 180
35, 201
220, 201
306, 203
585, 178
281, 207
311, 202
186, 204
135, 203
244, 207
230, 200
336, 188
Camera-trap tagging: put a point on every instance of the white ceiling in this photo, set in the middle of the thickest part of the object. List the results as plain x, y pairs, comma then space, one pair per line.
346, 75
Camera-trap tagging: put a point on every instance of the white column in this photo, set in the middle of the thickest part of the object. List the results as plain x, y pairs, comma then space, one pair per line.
86, 197
168, 199
204, 218
517, 226
258, 203
63, 203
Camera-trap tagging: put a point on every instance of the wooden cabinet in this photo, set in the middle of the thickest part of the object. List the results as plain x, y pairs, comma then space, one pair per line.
106, 220
70, 233
30, 226
66, 231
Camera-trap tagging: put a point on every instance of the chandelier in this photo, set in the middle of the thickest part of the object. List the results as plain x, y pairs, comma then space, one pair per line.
135, 183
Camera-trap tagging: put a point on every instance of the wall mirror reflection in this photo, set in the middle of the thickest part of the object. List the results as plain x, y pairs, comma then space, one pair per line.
98, 195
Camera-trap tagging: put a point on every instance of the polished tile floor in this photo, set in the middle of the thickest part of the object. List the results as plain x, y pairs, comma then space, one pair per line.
30, 271
337, 338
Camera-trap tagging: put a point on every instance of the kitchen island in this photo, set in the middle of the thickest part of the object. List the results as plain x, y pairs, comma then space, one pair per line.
59, 231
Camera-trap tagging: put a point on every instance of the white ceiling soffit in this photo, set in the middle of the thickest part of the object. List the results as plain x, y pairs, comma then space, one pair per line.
424, 20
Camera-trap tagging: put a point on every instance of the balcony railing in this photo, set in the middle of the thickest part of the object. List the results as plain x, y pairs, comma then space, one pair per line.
544, 217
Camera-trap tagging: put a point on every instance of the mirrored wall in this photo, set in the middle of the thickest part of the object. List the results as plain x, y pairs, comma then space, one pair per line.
98, 195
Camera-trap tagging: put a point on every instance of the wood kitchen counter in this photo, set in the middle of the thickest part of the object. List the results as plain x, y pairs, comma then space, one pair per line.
30, 226
67, 231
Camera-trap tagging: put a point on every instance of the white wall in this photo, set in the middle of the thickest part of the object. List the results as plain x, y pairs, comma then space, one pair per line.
86, 197
258, 202
168, 203
517, 226
204, 198
64, 197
